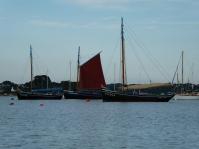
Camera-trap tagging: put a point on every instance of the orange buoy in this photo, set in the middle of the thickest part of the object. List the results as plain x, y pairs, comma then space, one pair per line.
87, 99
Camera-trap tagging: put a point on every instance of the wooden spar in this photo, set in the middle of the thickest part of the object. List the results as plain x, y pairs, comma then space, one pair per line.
124, 80
182, 89
70, 75
31, 69
78, 67
182, 67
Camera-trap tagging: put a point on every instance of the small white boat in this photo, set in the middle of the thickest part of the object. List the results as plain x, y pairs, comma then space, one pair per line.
186, 96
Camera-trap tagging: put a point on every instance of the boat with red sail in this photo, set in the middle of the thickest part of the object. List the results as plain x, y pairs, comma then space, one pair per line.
90, 79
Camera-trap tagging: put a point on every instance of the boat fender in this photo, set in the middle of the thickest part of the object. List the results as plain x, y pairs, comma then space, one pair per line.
11, 103
41, 104
87, 99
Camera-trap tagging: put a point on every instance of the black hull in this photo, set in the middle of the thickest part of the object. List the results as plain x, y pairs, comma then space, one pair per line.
109, 96
77, 95
31, 96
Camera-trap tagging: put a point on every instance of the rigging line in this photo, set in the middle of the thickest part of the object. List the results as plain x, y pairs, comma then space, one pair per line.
190, 74
36, 63
39, 63
86, 56
41, 67
37, 69
113, 53
139, 59
151, 58
176, 69
26, 70
141, 45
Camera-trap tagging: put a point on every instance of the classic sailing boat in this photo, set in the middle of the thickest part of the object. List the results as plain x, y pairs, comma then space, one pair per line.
184, 95
39, 94
123, 96
90, 79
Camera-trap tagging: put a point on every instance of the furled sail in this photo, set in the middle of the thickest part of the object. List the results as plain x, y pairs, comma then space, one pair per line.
91, 74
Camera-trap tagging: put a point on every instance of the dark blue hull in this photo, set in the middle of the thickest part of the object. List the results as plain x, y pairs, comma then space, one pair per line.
38, 96
110, 96
82, 95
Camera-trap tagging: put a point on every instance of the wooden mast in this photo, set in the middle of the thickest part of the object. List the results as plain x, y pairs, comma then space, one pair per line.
31, 69
78, 67
124, 80
182, 89
182, 67
114, 78
70, 76
47, 79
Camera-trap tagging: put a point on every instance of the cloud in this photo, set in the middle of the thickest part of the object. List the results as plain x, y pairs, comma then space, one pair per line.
100, 2
45, 23
107, 23
110, 4
119, 2
60, 24
160, 22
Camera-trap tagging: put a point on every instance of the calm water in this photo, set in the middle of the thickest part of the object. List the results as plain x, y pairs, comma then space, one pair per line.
74, 124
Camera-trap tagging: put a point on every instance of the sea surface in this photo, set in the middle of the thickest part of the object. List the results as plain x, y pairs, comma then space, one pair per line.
77, 124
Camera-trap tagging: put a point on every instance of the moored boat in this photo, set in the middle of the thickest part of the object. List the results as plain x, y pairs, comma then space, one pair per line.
186, 97
82, 95
39, 94
113, 96
123, 95
182, 92
90, 80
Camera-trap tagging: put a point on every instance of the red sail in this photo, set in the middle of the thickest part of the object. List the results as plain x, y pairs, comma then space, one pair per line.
91, 74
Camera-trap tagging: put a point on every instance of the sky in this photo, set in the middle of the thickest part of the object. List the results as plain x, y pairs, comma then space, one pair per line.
156, 31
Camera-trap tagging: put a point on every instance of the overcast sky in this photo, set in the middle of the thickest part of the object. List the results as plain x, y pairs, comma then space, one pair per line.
156, 31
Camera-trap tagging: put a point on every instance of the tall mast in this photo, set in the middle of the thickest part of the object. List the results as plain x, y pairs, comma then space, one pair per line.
124, 80
182, 67
177, 79
182, 88
47, 79
70, 76
114, 78
31, 68
78, 67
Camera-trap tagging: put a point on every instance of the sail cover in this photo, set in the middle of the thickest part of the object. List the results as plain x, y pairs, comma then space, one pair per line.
91, 74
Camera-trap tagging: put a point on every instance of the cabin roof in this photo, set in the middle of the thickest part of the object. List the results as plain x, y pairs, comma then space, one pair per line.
147, 86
